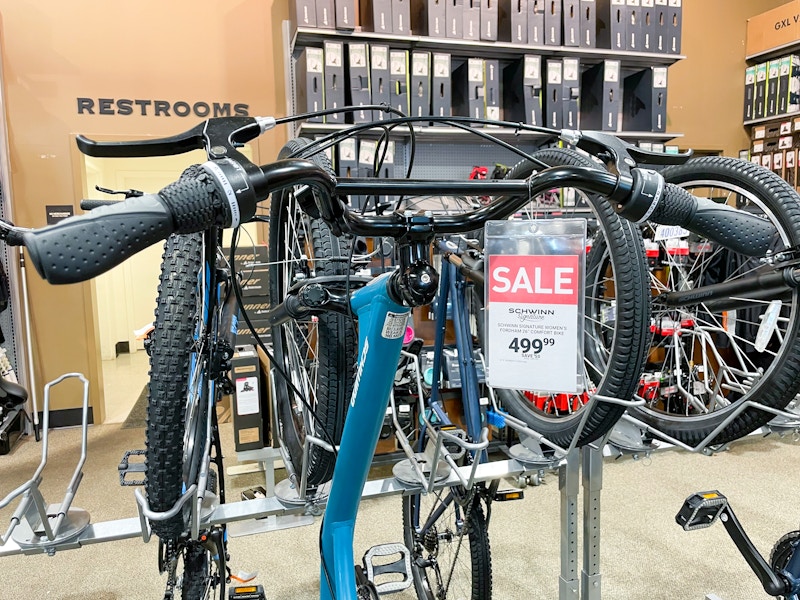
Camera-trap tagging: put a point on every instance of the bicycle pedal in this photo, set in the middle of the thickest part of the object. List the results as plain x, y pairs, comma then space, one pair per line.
126, 467
700, 510
508, 495
246, 592
377, 565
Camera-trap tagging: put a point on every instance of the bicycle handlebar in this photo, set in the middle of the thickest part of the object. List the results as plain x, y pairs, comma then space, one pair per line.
225, 191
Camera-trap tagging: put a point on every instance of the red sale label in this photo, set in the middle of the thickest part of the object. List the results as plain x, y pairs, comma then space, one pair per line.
539, 279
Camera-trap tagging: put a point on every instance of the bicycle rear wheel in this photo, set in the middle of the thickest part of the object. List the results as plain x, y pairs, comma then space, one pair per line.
317, 353
449, 543
615, 318
707, 359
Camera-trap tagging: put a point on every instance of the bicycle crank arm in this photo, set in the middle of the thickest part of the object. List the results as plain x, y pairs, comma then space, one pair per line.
702, 509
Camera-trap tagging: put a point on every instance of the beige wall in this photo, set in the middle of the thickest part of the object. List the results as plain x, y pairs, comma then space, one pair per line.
205, 50
54, 52
706, 90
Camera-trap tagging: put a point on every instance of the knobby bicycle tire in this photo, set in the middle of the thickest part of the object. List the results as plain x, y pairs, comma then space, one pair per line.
170, 362
444, 541
614, 349
195, 572
317, 353
773, 374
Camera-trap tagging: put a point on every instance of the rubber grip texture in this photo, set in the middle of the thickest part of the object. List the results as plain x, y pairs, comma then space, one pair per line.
193, 201
82, 247
737, 230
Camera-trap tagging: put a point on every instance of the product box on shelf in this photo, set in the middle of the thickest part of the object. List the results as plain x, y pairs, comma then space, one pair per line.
536, 22
648, 23
335, 82
554, 115
749, 93
644, 100
248, 256
326, 14
773, 29
493, 82
441, 89
777, 163
255, 281
588, 19
571, 22
611, 22
250, 408
398, 80
302, 13
553, 16
522, 90
469, 89
773, 79
761, 91
759, 132
790, 167
600, 97
633, 25
661, 30
513, 21
789, 86
347, 158
571, 92
376, 15
471, 28
345, 14
309, 72
674, 26
454, 16
420, 83
488, 19
401, 17
428, 18
379, 78
359, 90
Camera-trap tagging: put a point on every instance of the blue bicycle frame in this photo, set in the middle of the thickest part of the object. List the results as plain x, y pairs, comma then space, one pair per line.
379, 346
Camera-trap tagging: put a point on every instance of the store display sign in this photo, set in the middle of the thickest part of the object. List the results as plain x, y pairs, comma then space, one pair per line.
58, 212
534, 304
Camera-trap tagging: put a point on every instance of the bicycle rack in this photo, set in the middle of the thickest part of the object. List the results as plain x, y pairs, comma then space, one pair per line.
35, 524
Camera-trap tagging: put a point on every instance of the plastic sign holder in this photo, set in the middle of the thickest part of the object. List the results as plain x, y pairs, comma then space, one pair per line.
534, 304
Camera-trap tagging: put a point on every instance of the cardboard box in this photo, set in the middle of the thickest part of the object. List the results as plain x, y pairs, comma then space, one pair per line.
401, 17
376, 15
398, 80
441, 89
488, 19
302, 13
633, 26
600, 97
335, 82
454, 16
420, 84
326, 14
611, 24
571, 92
761, 91
588, 17
359, 90
644, 100
471, 29
773, 79
493, 86
553, 11
661, 29
345, 14
648, 21
773, 28
571, 22
380, 79
428, 18
522, 90
554, 116
247, 256
246, 336
674, 26
255, 281
749, 93
513, 21
310, 75
536, 22
248, 407
469, 89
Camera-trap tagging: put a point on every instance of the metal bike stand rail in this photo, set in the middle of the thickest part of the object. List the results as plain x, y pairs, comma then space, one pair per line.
36, 525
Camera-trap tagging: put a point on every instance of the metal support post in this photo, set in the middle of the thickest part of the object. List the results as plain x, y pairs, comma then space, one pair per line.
592, 484
569, 485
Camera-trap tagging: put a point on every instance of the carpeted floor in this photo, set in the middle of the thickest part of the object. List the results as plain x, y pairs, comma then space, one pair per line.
137, 418
644, 554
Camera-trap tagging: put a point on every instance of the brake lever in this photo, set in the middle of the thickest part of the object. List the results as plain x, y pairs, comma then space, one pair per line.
219, 137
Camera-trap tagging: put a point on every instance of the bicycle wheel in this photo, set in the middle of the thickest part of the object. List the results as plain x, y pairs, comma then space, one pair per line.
317, 353
708, 358
449, 544
615, 317
174, 445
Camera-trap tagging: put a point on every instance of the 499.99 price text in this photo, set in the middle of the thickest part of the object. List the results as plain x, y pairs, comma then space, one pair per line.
530, 345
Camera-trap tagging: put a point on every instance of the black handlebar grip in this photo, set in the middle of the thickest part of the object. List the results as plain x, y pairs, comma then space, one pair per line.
87, 204
82, 247
735, 229
193, 201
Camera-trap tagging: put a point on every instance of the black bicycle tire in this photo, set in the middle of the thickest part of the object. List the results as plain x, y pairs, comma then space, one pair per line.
480, 550
195, 572
336, 344
170, 352
778, 387
628, 352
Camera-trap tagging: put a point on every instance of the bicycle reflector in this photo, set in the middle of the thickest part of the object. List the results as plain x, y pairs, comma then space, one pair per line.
700, 510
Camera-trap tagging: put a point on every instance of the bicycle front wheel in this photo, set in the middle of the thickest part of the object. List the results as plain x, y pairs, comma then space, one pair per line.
615, 315
449, 543
708, 358
317, 353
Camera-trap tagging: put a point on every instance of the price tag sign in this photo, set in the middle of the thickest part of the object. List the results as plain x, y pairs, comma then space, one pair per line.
534, 304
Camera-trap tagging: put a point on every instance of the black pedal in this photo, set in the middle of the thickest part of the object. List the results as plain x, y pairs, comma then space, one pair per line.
508, 495
246, 592
126, 467
700, 510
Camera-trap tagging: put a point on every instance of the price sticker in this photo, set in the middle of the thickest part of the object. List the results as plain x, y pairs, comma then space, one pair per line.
534, 305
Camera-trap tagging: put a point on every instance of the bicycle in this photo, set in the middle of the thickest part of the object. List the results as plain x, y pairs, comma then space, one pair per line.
225, 192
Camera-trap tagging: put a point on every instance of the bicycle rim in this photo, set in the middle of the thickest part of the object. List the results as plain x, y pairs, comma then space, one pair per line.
706, 360
449, 543
317, 353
